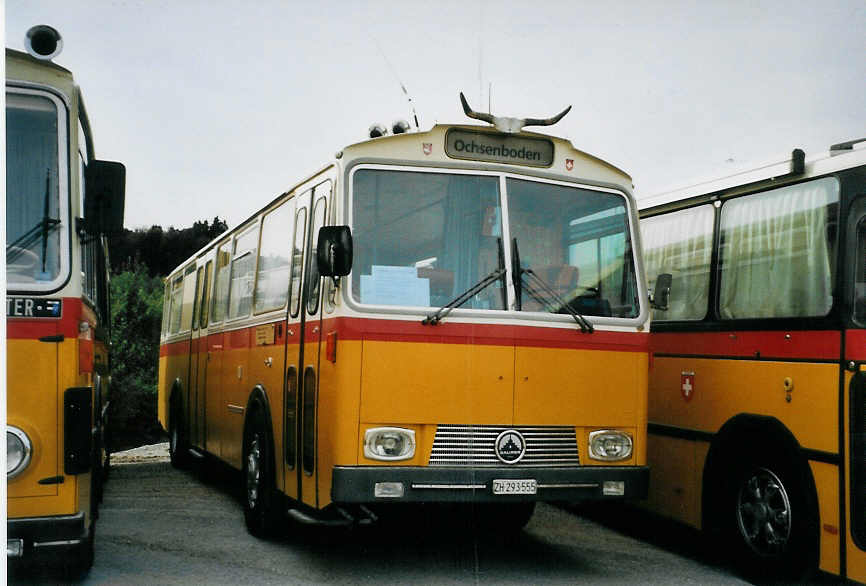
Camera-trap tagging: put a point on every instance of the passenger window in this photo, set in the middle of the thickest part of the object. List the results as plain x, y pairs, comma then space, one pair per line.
777, 250
860, 275
314, 280
221, 286
680, 244
242, 272
176, 298
272, 280
205, 295
298, 259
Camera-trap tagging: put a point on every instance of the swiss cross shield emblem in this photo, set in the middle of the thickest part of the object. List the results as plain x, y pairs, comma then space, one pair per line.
427, 147
687, 385
569, 164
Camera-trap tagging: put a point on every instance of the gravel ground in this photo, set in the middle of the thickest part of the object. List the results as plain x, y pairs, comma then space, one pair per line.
141, 454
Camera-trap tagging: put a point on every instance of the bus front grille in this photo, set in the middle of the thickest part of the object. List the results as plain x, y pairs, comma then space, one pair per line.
474, 445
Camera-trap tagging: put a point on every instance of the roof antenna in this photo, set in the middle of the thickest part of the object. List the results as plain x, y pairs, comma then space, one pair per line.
397, 77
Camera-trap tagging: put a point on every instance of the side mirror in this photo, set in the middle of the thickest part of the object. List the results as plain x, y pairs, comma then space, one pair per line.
661, 296
104, 197
334, 251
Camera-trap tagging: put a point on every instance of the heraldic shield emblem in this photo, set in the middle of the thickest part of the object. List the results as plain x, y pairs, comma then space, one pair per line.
687, 385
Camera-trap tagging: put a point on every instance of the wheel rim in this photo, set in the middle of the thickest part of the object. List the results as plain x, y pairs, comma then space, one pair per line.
764, 513
254, 475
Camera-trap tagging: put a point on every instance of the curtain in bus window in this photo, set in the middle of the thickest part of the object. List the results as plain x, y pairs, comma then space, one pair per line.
32, 201
776, 253
421, 239
860, 275
242, 273
681, 244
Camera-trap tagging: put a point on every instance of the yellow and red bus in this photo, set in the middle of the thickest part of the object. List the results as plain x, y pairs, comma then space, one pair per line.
448, 316
60, 203
757, 401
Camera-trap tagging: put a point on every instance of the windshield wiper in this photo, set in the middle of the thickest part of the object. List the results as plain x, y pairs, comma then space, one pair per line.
538, 287
42, 229
496, 275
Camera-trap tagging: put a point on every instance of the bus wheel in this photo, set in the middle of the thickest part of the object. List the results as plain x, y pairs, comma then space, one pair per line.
772, 520
260, 511
177, 447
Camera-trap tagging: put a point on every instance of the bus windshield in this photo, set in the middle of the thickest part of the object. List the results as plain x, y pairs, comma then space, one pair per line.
421, 239
32, 191
577, 241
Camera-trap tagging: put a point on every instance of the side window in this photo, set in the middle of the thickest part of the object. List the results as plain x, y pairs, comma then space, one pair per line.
188, 299
680, 244
298, 259
314, 281
196, 309
777, 252
242, 273
860, 275
176, 299
205, 295
272, 279
221, 286
166, 307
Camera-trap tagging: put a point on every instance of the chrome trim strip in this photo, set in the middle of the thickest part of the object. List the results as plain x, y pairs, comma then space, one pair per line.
450, 486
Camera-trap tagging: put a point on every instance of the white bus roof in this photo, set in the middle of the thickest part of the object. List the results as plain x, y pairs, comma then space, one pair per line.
839, 157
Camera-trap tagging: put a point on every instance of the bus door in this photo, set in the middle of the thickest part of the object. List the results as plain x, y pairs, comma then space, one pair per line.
198, 356
854, 381
188, 302
304, 337
213, 371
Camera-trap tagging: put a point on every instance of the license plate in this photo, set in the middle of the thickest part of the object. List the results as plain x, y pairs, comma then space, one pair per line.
522, 486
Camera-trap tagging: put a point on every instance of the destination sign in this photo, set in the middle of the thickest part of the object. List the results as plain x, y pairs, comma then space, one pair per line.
33, 307
498, 148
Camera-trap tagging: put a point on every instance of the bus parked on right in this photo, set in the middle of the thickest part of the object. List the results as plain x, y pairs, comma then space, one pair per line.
757, 386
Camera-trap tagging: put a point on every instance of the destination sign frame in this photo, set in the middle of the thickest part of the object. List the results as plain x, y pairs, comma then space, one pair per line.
34, 307
492, 147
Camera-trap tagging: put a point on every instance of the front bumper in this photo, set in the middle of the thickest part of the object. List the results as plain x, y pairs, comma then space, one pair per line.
357, 484
31, 536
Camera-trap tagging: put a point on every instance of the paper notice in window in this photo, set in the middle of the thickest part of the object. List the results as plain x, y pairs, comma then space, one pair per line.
395, 286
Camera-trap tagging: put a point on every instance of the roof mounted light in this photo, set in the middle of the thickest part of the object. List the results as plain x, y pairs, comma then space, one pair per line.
400, 127
377, 130
43, 42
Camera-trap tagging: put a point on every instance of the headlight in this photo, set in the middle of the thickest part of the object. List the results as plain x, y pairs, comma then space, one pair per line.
389, 443
18, 450
609, 445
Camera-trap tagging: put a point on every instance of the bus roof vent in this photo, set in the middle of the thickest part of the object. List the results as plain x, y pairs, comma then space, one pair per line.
838, 149
510, 125
43, 42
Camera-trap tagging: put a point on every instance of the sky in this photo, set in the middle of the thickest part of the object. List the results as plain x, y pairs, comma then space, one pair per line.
216, 107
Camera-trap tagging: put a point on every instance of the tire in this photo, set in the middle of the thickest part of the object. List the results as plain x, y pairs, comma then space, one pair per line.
261, 513
771, 518
178, 449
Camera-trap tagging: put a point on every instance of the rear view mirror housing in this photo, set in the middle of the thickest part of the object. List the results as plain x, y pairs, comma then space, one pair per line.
661, 295
104, 197
334, 251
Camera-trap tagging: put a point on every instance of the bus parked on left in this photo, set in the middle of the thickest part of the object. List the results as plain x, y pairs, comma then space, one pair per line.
61, 203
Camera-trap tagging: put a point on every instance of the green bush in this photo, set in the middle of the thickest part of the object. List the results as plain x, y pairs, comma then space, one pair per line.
136, 315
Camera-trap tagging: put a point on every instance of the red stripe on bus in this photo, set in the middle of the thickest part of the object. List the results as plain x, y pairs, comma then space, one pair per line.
855, 345
804, 345
18, 328
444, 333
